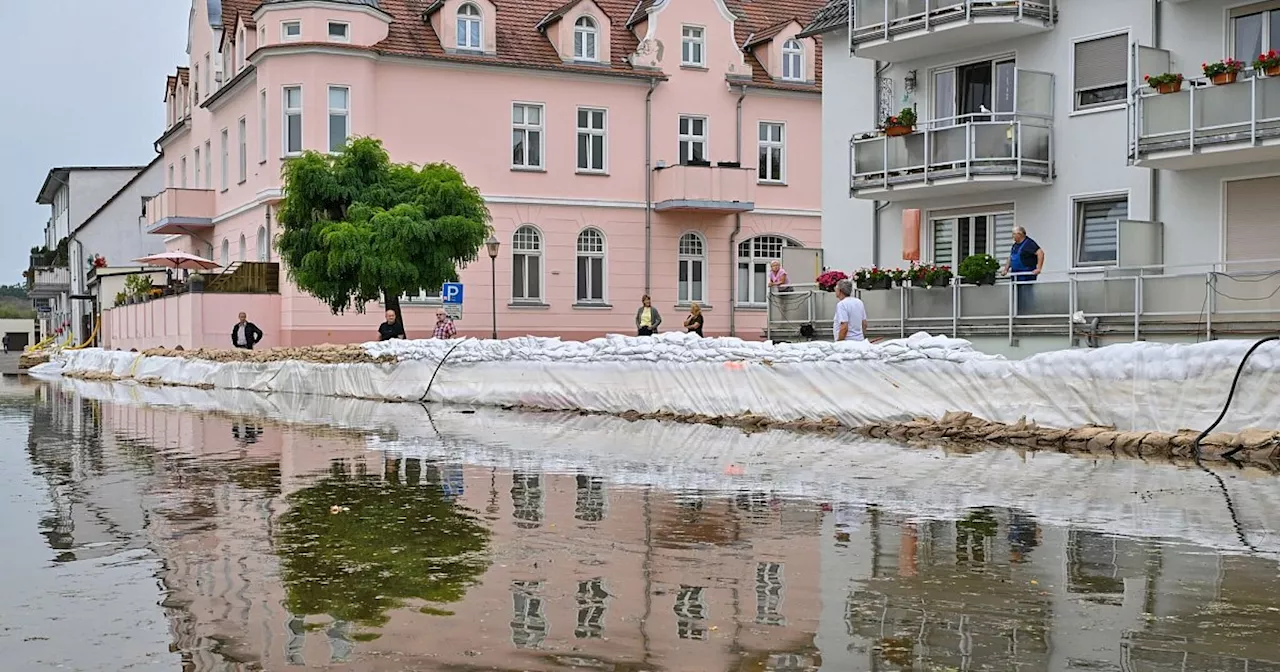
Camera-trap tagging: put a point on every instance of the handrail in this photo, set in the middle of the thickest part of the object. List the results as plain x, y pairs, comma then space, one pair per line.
882, 24
1244, 131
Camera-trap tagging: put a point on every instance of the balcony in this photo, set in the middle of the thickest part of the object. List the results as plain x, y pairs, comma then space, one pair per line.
1205, 126
963, 155
180, 211
704, 188
50, 282
897, 31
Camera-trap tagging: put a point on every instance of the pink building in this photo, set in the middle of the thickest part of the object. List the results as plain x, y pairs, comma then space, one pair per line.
624, 147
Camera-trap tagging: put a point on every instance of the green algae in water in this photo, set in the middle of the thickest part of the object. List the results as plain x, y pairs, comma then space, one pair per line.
387, 543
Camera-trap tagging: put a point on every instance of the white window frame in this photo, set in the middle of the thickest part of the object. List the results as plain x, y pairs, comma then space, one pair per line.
243, 249
993, 246
262, 36
585, 36
196, 152
208, 73
684, 260
264, 249
793, 60
591, 254
537, 250
462, 40
284, 30
226, 253
171, 178
346, 31
224, 139
688, 140
208, 164
1076, 105
594, 136
752, 259
693, 46
1234, 14
771, 145
242, 132
262, 126
1077, 227
344, 112
183, 176
285, 113
525, 128
240, 47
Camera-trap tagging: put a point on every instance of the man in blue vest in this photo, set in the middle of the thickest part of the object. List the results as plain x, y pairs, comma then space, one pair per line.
1026, 261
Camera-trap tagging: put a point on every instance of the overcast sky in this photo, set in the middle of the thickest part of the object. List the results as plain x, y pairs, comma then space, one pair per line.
82, 84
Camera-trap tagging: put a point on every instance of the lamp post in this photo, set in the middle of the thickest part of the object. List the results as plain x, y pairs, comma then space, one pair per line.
492, 245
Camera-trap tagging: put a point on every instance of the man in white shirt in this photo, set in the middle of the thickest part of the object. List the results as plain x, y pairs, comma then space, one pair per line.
851, 315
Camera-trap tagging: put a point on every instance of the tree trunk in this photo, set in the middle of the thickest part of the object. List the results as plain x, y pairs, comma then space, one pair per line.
392, 302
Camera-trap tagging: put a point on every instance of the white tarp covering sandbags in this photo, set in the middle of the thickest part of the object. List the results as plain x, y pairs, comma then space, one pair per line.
1145, 386
1117, 496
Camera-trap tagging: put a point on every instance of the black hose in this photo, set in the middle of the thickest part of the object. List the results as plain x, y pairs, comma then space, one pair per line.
1195, 445
440, 364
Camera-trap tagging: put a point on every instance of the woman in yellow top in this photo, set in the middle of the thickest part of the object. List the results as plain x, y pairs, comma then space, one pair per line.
647, 318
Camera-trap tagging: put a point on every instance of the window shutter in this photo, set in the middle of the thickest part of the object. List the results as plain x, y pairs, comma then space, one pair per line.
943, 237
1098, 230
1251, 231
1102, 62
1003, 234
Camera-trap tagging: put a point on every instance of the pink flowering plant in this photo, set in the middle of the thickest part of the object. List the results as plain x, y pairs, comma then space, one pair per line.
827, 281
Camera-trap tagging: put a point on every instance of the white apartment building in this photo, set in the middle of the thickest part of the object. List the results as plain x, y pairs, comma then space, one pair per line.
1034, 113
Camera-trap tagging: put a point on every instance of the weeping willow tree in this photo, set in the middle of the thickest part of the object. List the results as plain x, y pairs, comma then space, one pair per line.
359, 228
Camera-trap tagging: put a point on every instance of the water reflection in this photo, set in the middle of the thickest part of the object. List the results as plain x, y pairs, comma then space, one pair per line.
428, 563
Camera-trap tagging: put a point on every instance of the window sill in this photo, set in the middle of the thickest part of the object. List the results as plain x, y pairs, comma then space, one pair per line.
528, 305
685, 306
241, 182
528, 169
771, 183
262, 162
752, 307
1097, 110
222, 190
592, 306
289, 155
694, 66
593, 173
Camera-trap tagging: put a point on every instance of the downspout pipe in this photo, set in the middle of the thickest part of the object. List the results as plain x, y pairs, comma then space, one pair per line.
1154, 205
737, 225
648, 185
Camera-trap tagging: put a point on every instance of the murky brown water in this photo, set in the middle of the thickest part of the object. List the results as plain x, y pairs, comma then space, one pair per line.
140, 538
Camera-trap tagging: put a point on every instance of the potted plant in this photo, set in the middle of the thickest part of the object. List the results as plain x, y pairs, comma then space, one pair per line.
1268, 63
901, 123
938, 276
1222, 72
872, 278
827, 281
121, 298
1169, 82
899, 277
979, 269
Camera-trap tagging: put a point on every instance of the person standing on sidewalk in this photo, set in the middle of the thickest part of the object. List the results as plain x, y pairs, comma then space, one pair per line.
444, 326
392, 328
245, 334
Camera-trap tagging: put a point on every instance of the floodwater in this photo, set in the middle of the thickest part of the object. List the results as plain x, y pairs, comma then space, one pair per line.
151, 537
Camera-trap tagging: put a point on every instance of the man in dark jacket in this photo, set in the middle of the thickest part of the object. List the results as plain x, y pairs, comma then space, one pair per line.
392, 328
245, 334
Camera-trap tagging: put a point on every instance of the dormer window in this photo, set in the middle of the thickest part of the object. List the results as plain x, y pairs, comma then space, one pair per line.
469, 27
290, 31
339, 32
585, 40
792, 61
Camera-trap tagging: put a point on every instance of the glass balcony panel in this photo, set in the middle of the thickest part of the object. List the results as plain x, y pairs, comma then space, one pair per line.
993, 141
1171, 294
991, 301
1035, 143
929, 303
882, 304
868, 156
949, 145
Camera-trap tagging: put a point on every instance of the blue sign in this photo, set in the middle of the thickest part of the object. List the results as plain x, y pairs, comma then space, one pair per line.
451, 292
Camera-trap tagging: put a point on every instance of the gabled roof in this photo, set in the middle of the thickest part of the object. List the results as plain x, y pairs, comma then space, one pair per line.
835, 14
120, 191
58, 176
558, 13
767, 34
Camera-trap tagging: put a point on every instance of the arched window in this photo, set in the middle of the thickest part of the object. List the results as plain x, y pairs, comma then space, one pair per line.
584, 40
242, 256
754, 256
691, 286
591, 266
526, 265
226, 252
263, 250
469, 27
792, 60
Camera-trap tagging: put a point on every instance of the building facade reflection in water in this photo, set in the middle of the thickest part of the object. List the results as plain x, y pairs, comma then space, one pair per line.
582, 570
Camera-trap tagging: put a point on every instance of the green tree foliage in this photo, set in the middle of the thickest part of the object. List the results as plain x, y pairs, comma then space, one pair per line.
387, 542
359, 228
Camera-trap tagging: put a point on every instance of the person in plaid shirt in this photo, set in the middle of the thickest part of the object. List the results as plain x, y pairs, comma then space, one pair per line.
444, 326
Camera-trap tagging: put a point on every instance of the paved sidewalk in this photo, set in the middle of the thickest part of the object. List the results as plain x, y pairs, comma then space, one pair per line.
9, 363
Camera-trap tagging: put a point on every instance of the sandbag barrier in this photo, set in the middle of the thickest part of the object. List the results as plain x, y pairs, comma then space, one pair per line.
1257, 447
315, 354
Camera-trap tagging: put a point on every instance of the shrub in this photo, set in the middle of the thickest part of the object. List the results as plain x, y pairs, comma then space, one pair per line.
979, 268
906, 117
827, 281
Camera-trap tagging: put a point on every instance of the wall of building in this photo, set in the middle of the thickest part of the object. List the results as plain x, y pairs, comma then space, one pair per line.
190, 321
848, 107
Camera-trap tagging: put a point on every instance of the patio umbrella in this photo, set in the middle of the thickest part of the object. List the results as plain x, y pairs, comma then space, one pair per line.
179, 260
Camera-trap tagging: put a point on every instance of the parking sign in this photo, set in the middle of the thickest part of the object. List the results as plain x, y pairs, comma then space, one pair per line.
451, 293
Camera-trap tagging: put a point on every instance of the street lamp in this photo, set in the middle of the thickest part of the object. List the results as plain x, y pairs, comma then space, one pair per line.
492, 245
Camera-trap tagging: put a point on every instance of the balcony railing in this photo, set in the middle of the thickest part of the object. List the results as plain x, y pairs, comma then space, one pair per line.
1206, 300
704, 188
50, 282
1204, 126
180, 211
903, 30
959, 155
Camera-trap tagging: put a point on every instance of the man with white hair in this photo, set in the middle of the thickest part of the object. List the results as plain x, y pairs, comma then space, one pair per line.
850, 323
1026, 261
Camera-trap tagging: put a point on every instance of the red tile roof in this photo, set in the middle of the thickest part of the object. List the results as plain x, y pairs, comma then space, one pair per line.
521, 44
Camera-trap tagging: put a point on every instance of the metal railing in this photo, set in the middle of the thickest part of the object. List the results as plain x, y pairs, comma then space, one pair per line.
884, 19
1232, 297
1245, 112
1014, 144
